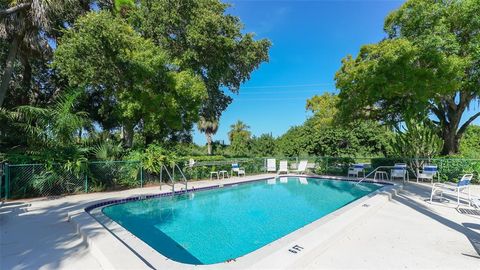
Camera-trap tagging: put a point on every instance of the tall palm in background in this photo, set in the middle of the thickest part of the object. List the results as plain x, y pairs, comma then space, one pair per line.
209, 127
238, 128
28, 26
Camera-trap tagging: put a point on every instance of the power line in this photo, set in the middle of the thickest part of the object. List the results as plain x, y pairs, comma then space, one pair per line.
312, 91
287, 85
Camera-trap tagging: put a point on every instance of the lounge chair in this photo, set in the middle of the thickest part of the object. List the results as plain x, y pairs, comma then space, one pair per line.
283, 168
302, 167
453, 188
428, 172
356, 169
236, 169
271, 165
475, 202
399, 171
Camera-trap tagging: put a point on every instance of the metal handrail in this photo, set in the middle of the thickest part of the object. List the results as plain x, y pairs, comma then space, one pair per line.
169, 176
183, 175
380, 167
172, 176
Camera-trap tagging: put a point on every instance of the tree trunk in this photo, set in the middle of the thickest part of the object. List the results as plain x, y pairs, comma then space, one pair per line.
450, 114
148, 139
27, 97
9, 65
450, 142
209, 143
128, 136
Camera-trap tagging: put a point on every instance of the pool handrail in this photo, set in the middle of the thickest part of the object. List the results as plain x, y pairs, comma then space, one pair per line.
376, 169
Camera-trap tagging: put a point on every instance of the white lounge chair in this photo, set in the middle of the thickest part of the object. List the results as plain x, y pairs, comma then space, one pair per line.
283, 168
271, 165
428, 172
356, 169
399, 171
453, 188
302, 167
236, 169
475, 202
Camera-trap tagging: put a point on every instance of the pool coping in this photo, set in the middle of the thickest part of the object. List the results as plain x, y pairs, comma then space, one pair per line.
117, 248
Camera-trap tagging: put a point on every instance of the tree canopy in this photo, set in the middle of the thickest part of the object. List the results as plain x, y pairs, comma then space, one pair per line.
200, 36
427, 66
129, 77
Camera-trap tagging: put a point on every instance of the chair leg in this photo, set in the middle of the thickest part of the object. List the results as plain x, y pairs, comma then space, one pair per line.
458, 197
469, 197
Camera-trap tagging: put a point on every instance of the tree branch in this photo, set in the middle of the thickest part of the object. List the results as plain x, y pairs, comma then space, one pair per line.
439, 114
17, 8
468, 122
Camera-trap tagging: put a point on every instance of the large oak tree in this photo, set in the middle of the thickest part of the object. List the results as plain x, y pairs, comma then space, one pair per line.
429, 65
202, 37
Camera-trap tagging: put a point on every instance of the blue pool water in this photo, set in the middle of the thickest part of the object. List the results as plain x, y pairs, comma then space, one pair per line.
216, 225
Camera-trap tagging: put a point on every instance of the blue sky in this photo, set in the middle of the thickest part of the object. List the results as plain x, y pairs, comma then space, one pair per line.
309, 40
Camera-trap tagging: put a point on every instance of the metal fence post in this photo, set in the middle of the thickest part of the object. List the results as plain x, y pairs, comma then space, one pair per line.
7, 181
86, 181
141, 175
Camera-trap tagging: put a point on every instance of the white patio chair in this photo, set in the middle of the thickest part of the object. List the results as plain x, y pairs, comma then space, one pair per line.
356, 169
271, 165
428, 172
283, 168
236, 169
399, 171
454, 189
302, 167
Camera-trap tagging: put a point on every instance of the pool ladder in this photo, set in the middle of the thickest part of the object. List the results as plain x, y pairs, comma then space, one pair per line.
171, 176
382, 167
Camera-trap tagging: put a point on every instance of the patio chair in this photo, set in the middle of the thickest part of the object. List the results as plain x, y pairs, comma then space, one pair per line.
356, 169
236, 169
475, 202
454, 189
283, 168
271, 165
399, 171
191, 163
302, 167
428, 172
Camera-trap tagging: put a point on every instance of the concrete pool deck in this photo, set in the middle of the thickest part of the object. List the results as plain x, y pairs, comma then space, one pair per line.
406, 232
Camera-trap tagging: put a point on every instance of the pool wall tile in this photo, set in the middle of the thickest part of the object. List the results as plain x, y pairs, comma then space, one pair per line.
89, 208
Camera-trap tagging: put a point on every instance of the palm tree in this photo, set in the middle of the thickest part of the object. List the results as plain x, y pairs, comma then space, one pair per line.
209, 127
238, 128
26, 25
56, 125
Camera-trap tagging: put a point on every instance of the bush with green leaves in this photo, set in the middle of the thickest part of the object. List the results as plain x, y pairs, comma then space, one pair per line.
470, 143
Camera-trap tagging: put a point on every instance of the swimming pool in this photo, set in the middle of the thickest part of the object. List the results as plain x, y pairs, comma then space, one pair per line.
217, 225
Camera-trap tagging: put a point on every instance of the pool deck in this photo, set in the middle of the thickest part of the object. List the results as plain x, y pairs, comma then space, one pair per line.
404, 232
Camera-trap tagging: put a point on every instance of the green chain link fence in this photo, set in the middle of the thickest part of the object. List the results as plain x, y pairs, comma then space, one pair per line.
44, 180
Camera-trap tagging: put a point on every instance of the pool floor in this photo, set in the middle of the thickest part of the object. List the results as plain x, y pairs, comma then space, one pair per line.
217, 225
